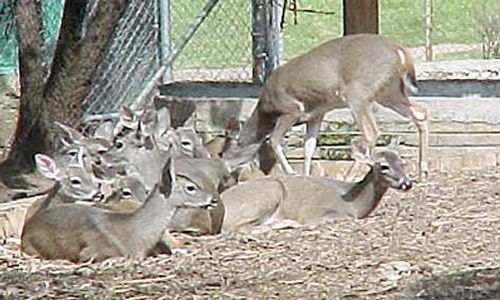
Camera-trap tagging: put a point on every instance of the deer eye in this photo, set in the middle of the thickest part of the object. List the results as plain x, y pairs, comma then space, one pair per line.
191, 188
385, 168
75, 181
126, 192
98, 161
119, 144
73, 152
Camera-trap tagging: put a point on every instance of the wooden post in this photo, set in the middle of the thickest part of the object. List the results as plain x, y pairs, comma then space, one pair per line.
360, 16
429, 55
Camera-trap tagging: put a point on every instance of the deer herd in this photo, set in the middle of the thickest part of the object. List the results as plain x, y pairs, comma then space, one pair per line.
124, 189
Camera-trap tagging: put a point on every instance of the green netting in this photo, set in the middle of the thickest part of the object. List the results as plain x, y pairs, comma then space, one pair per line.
51, 13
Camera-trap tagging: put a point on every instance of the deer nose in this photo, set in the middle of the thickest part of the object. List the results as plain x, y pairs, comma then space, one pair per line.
405, 183
213, 202
98, 197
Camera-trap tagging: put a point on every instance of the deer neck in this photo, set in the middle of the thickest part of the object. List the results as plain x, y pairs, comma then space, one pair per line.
154, 215
57, 195
364, 196
249, 133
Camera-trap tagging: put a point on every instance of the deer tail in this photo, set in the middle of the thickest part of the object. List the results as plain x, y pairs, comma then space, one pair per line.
409, 78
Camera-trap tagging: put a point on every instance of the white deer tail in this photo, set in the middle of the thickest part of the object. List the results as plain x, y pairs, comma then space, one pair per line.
409, 78
409, 84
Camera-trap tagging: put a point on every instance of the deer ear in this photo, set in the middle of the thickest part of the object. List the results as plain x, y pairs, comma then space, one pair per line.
46, 166
163, 121
128, 118
126, 113
191, 121
104, 131
361, 152
167, 181
394, 144
70, 135
101, 175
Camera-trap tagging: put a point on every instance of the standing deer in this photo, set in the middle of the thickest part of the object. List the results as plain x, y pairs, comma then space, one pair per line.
276, 202
80, 233
348, 72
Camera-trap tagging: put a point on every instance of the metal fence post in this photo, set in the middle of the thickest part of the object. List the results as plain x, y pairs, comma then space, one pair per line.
165, 39
267, 46
274, 36
259, 20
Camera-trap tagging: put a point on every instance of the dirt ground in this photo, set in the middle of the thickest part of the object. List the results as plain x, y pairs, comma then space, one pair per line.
440, 240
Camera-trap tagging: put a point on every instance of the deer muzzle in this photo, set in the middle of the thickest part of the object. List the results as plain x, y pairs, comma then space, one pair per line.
405, 183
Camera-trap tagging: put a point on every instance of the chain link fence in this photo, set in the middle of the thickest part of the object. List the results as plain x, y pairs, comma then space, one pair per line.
308, 23
444, 30
434, 30
221, 49
131, 62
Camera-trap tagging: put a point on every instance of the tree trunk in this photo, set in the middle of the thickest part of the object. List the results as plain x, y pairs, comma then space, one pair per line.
29, 41
360, 16
75, 62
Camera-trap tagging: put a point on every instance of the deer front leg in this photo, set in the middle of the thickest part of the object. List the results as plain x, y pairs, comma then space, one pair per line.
310, 141
284, 123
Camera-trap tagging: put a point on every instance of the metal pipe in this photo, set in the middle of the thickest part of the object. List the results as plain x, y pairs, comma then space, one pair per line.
165, 38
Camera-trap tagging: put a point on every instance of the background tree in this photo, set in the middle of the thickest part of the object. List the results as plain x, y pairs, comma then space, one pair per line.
54, 91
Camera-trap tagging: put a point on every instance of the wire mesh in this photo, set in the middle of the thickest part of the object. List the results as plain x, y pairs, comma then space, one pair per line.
434, 30
221, 48
131, 62
309, 23
444, 30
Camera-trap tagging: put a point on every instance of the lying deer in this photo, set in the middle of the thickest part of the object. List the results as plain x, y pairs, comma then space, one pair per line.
73, 183
80, 233
126, 196
293, 200
348, 72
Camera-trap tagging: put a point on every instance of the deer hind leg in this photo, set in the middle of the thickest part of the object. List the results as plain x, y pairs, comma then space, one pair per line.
310, 141
420, 115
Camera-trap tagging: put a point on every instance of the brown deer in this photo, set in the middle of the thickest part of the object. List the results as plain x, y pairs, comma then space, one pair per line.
348, 72
277, 202
80, 233
73, 183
